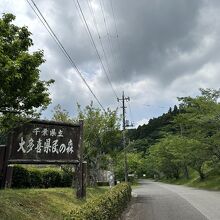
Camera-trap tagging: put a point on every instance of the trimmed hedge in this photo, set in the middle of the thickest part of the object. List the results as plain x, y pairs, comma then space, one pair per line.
108, 206
40, 178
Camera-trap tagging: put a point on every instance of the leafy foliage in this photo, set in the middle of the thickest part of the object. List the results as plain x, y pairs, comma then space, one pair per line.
136, 165
61, 115
139, 146
102, 137
197, 144
101, 129
21, 90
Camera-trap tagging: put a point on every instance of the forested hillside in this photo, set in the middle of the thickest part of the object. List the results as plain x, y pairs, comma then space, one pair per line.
184, 141
156, 127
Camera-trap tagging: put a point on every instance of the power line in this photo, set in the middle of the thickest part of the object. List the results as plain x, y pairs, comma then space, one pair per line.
99, 36
58, 42
106, 27
97, 52
116, 29
80, 15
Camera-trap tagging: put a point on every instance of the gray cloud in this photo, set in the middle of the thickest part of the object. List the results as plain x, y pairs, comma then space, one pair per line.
151, 32
167, 49
151, 35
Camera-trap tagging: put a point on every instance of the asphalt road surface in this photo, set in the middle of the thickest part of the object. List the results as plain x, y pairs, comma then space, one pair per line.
159, 201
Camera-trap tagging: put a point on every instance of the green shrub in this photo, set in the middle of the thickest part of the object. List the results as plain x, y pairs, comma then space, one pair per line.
67, 179
36, 178
108, 206
40, 177
20, 178
51, 178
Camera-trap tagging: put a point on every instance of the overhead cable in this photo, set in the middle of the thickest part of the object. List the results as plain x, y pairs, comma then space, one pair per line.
97, 52
113, 13
106, 27
117, 45
58, 42
99, 37
116, 29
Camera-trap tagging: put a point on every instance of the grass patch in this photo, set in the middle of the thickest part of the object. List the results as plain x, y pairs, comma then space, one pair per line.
211, 182
40, 204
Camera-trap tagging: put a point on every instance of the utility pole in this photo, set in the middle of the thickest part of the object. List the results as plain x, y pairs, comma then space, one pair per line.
123, 99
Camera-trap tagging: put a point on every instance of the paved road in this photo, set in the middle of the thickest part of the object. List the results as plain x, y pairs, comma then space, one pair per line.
159, 201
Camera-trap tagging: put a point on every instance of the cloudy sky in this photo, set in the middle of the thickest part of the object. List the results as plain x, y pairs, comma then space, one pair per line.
156, 50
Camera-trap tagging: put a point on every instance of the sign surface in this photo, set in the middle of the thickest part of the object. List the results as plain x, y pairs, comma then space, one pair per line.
45, 142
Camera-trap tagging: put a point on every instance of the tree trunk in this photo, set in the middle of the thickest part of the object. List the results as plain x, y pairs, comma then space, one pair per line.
201, 174
186, 171
176, 174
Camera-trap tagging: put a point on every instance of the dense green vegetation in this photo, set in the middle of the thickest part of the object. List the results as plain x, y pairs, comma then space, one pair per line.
186, 138
155, 129
41, 204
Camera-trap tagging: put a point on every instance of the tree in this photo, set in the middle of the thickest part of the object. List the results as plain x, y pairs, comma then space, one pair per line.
156, 128
102, 137
185, 137
136, 165
200, 119
189, 152
140, 145
199, 126
180, 148
21, 89
61, 115
163, 161
175, 153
